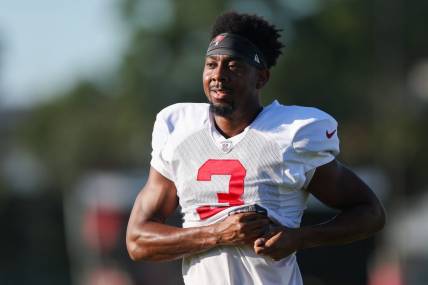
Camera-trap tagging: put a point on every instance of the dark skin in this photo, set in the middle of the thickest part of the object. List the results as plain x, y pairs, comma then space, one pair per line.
229, 82
361, 214
148, 238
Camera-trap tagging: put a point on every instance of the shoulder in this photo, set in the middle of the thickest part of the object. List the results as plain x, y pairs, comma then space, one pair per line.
176, 122
282, 118
310, 122
180, 111
314, 131
298, 114
298, 127
309, 135
189, 115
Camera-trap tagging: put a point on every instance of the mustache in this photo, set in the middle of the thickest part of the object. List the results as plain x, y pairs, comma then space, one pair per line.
219, 88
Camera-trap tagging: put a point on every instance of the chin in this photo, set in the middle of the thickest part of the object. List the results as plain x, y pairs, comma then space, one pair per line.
224, 110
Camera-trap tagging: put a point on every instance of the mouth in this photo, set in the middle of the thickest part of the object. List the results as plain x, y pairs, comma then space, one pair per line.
220, 93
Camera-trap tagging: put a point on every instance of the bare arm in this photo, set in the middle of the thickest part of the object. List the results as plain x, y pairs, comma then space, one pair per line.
361, 214
149, 238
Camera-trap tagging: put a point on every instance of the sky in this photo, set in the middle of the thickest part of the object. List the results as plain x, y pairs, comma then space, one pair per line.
47, 45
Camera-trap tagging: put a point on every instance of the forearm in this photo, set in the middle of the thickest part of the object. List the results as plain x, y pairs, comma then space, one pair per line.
352, 224
155, 241
361, 215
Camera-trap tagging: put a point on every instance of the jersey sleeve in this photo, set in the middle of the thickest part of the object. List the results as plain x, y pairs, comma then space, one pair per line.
316, 143
160, 137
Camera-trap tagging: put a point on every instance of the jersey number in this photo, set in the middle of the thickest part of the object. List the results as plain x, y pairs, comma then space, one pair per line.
237, 174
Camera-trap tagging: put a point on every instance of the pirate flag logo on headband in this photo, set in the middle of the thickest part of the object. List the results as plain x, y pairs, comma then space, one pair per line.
236, 46
218, 39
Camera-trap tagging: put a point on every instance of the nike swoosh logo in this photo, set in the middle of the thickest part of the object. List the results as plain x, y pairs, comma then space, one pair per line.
329, 135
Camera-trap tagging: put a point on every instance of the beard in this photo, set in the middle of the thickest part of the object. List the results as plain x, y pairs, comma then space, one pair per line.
224, 110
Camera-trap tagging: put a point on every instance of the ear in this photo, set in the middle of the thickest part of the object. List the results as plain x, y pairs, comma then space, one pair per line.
263, 76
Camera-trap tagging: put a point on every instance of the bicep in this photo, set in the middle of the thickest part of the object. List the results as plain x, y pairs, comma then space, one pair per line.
338, 187
156, 201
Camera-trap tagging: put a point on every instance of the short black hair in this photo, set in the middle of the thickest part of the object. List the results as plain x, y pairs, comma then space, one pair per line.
254, 28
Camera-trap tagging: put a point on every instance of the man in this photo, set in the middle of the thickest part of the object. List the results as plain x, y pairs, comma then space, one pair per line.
217, 159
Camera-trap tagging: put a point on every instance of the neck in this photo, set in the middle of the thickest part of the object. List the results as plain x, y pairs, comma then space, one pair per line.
236, 123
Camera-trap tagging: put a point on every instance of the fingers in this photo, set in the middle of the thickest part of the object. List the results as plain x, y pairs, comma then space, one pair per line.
253, 226
271, 241
267, 246
260, 242
256, 229
250, 222
250, 230
243, 228
276, 247
259, 245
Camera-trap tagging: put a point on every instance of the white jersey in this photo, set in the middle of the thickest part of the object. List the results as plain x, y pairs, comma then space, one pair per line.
268, 164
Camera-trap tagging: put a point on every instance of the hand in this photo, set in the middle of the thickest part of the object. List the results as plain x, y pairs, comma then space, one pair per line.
279, 243
242, 228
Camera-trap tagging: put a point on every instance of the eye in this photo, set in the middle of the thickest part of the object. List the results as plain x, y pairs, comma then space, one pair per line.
210, 64
234, 65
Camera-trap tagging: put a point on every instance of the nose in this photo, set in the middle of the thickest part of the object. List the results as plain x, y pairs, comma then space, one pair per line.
220, 73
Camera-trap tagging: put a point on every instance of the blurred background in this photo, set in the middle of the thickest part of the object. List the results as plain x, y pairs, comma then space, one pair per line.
82, 81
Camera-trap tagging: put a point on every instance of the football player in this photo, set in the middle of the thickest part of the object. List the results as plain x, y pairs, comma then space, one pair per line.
242, 173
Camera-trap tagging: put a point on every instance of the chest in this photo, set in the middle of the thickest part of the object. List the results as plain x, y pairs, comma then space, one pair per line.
226, 174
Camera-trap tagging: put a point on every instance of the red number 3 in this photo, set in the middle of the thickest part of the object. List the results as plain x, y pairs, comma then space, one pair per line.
237, 174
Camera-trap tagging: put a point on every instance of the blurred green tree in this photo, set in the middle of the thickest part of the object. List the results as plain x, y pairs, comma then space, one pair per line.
349, 58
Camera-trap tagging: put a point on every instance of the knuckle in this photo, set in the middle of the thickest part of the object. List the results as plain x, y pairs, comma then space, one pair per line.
237, 217
239, 226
